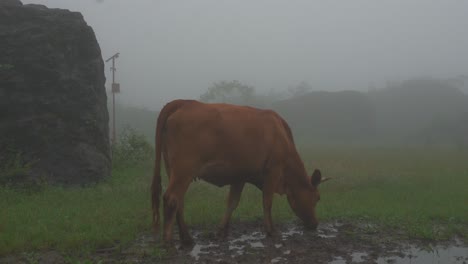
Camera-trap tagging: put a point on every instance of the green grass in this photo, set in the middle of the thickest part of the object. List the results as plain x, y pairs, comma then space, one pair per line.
422, 192
76, 218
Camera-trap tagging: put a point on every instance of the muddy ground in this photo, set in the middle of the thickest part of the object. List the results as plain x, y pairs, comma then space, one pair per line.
333, 242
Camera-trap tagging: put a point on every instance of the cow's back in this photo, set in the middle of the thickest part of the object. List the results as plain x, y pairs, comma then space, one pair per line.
222, 143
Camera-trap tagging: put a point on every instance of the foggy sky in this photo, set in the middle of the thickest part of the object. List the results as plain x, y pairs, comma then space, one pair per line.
176, 49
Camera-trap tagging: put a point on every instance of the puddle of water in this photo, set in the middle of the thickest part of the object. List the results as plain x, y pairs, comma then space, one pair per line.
327, 231
291, 231
237, 253
234, 247
278, 260
252, 240
455, 254
337, 260
358, 256
257, 244
198, 249
415, 255
322, 235
245, 238
329, 228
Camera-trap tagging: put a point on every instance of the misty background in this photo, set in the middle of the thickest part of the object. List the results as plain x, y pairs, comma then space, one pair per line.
387, 71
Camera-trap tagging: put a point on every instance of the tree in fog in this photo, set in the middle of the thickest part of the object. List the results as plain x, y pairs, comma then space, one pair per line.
422, 110
229, 92
299, 90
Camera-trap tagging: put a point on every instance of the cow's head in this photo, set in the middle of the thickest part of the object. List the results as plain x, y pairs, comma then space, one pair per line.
304, 198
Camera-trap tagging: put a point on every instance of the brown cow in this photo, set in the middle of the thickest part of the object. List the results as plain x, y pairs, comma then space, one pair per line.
232, 145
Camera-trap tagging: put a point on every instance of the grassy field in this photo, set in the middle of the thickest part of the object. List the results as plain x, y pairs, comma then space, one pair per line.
422, 192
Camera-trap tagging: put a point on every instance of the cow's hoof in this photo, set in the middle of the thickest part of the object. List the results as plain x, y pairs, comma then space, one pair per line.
222, 233
271, 233
169, 246
187, 241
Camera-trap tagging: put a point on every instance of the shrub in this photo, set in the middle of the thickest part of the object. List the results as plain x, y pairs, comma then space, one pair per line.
131, 148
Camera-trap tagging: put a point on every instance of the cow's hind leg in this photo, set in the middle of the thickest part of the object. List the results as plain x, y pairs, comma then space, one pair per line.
232, 203
173, 203
184, 234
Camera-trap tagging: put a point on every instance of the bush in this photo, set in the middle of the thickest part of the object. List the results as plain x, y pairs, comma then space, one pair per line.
132, 148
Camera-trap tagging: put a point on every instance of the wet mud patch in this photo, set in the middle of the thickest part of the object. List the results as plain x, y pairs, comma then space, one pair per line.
247, 243
333, 242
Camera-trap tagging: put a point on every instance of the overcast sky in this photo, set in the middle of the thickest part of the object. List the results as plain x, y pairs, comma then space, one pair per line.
176, 49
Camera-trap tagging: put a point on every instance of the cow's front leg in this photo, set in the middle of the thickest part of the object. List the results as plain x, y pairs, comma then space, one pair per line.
232, 203
268, 191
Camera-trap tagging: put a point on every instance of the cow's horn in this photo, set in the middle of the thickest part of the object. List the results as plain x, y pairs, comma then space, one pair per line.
325, 179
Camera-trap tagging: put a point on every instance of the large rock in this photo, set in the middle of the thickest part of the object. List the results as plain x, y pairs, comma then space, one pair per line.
53, 103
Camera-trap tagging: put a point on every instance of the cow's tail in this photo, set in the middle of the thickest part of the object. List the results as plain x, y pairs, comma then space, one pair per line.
156, 189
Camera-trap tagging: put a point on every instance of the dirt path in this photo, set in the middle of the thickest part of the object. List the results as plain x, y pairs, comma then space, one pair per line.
333, 242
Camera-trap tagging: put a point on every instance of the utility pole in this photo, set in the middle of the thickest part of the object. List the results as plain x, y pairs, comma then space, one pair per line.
115, 89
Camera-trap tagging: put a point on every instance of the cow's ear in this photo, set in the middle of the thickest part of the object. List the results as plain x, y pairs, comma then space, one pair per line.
316, 178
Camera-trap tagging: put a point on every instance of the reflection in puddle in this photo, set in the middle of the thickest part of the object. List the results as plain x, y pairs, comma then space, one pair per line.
455, 254
197, 250
358, 256
257, 244
238, 249
338, 260
324, 231
278, 260
327, 231
244, 238
322, 235
414, 255
253, 240
291, 231
239, 245
234, 247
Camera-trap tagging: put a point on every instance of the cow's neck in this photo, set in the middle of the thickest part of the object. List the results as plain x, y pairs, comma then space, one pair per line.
295, 173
